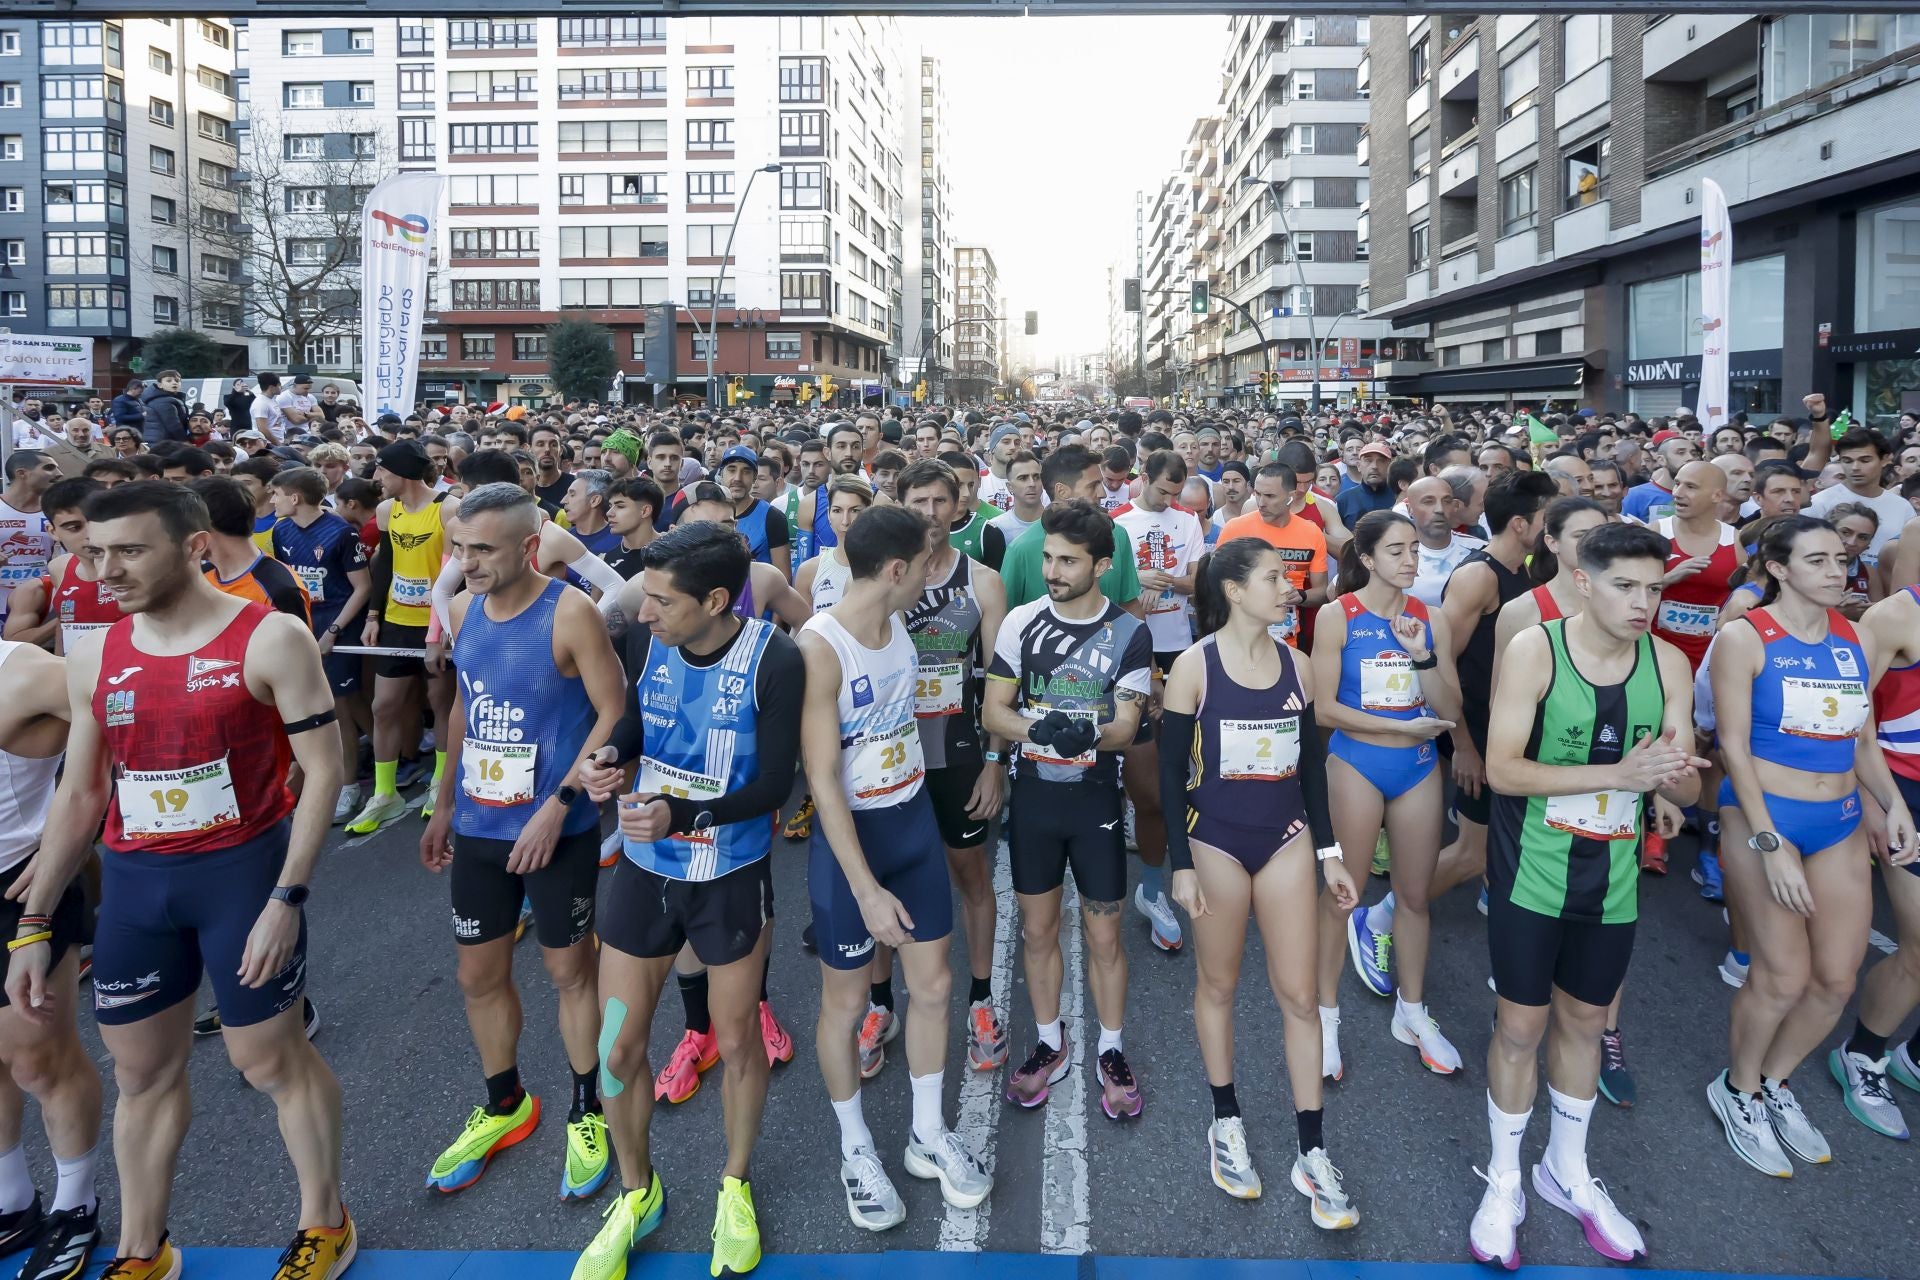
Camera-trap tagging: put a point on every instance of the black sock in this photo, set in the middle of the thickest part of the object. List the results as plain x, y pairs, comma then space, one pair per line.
693, 994
1865, 1043
1913, 1045
981, 991
882, 994
586, 1093
763, 975
1309, 1124
504, 1091
1226, 1103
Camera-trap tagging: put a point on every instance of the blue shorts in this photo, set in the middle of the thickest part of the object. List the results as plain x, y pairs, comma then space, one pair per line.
343, 672
904, 850
1812, 825
1393, 771
166, 916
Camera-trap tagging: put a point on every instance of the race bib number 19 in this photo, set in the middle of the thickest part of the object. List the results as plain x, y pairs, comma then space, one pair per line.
166, 802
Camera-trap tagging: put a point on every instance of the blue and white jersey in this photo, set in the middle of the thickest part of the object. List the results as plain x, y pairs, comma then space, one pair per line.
753, 527
525, 723
881, 763
702, 742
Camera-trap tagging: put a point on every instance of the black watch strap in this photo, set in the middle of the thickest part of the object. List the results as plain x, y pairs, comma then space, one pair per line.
567, 796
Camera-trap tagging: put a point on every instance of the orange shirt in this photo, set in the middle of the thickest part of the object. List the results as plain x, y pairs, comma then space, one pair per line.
268, 582
1302, 546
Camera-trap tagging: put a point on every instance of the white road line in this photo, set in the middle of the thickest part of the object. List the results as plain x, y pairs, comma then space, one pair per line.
1065, 1216
965, 1230
1882, 941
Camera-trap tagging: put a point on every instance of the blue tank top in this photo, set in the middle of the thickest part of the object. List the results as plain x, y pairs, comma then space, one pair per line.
525, 722
1244, 736
1376, 675
703, 741
1809, 700
754, 526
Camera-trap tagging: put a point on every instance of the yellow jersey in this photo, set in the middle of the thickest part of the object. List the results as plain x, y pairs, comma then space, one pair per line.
418, 539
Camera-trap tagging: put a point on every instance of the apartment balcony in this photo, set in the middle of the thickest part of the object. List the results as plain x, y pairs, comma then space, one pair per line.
1461, 270
1460, 73
1459, 172
1584, 228
1516, 135
1698, 46
1584, 102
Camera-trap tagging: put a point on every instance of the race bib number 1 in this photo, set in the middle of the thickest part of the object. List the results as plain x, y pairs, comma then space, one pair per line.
166, 802
498, 774
1597, 815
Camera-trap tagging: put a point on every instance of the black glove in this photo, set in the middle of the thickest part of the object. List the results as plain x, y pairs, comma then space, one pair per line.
1078, 736
1044, 730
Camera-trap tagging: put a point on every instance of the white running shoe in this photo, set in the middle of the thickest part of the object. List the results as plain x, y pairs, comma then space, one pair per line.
1733, 971
1864, 1088
1609, 1231
348, 804
1315, 1178
1495, 1233
1331, 1066
1790, 1124
872, 1202
1423, 1033
963, 1183
1233, 1170
1159, 913
1749, 1130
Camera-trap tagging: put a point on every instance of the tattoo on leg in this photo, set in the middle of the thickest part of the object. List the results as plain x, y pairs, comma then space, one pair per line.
1101, 908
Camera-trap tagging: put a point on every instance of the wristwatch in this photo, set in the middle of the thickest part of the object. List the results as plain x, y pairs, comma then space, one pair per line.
1763, 842
294, 895
567, 796
334, 630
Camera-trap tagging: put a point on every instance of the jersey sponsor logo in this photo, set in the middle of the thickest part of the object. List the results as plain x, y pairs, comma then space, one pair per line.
119, 709
861, 687
465, 927
490, 720
1789, 663
212, 673
101, 1000
413, 541
123, 676
137, 984
1844, 663
1607, 736
852, 950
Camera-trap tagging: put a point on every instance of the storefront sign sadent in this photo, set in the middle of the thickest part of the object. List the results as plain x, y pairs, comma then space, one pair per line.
41, 360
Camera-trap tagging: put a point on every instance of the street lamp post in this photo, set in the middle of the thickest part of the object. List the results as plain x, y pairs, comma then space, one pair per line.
1299, 276
713, 312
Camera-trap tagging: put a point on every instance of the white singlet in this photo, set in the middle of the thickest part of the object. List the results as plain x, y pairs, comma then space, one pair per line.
881, 763
26, 792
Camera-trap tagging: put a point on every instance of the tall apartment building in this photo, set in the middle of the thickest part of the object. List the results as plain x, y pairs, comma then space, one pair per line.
977, 342
596, 166
116, 150
930, 329
1536, 192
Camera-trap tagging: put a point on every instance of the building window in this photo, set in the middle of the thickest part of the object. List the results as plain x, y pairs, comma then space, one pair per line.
802, 291
300, 97
490, 35
496, 295
15, 254
1420, 155
1519, 208
214, 175
783, 346
1587, 170
1806, 51
416, 139
164, 211
308, 253
214, 266
707, 239
476, 347
166, 310
215, 34
1585, 39
416, 87
710, 82
612, 137
161, 161
1418, 57
1664, 315
495, 242
74, 306
14, 302
1886, 267
709, 187
611, 33
613, 242
220, 315
160, 111
1547, 342
492, 139
9, 44
360, 40
166, 260
433, 347
803, 186
1301, 140
1302, 86
304, 146
1303, 246
709, 135
612, 84
14, 200
10, 93
529, 346
641, 188
218, 81
803, 79
86, 254
300, 44
416, 39
160, 60
490, 190
1417, 244
213, 128
700, 292
622, 292
1519, 83
360, 93
492, 86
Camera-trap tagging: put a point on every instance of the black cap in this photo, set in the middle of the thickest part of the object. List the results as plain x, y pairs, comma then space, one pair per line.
407, 459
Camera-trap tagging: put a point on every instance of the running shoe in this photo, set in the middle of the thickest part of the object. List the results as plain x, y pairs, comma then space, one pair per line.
1616, 1082
164, 1264
963, 1183
1481, 905
1372, 953
320, 1253
1495, 1233
876, 1029
1119, 1091
1610, 1232
1733, 969
872, 1202
736, 1231
986, 1037
67, 1239
1382, 857
86, 962
309, 1017
1166, 925
631, 1216
1749, 1131
1233, 1170
1331, 1067
800, 825
1706, 874
407, 771
1653, 853
1044, 1068
585, 1169
378, 813
22, 1227
611, 846
484, 1136
1315, 1178
807, 944
778, 1043
207, 1024
525, 921
1903, 1068
680, 1078
347, 804
1423, 1033
1864, 1088
1790, 1123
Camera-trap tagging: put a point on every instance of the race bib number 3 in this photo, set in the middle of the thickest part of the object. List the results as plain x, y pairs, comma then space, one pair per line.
938, 688
1387, 683
1680, 619
498, 774
166, 802
1597, 815
1259, 750
1830, 709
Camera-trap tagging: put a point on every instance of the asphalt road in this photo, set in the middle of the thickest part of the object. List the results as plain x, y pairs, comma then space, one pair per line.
1068, 1180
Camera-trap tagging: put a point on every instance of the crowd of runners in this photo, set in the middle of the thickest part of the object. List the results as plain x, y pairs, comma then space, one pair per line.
1218, 666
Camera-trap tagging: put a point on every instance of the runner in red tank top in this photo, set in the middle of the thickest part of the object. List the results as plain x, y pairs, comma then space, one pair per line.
82, 604
1700, 566
186, 715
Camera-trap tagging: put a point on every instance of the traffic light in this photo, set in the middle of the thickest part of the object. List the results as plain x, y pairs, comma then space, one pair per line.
804, 394
920, 390
1033, 323
826, 387
1200, 298
1132, 295
737, 392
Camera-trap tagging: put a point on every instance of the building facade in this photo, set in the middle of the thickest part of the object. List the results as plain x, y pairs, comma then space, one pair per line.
930, 290
1536, 193
978, 324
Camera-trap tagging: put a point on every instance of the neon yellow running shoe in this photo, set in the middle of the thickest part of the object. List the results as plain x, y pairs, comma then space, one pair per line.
631, 1216
586, 1167
485, 1136
736, 1231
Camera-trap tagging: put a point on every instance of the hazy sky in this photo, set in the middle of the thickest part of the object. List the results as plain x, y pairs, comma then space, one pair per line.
1055, 123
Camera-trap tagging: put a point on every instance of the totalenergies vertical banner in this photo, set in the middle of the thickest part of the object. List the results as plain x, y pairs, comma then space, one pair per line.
396, 229
1716, 303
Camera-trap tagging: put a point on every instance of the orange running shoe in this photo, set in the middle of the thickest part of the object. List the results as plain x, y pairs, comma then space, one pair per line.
320, 1253
163, 1265
1653, 853
774, 1036
680, 1079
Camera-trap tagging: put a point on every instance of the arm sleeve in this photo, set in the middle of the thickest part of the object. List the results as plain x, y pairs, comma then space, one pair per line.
630, 734
381, 567
1177, 728
778, 690
597, 572
993, 548
1313, 784
445, 588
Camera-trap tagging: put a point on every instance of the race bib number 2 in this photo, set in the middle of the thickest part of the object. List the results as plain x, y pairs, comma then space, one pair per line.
1259, 750
166, 802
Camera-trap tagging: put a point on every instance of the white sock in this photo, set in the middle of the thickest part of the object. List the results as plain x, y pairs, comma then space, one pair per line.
853, 1126
1567, 1137
1108, 1039
1414, 1015
16, 1181
1507, 1130
927, 1124
1380, 915
75, 1189
1050, 1034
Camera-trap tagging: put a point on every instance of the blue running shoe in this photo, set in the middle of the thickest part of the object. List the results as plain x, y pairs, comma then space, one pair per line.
1483, 900
1706, 874
1372, 953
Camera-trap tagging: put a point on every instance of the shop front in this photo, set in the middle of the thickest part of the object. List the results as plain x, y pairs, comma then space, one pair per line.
1878, 353
1555, 385
1668, 384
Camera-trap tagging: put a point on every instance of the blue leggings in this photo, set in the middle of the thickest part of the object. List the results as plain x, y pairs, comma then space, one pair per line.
1394, 771
1812, 825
